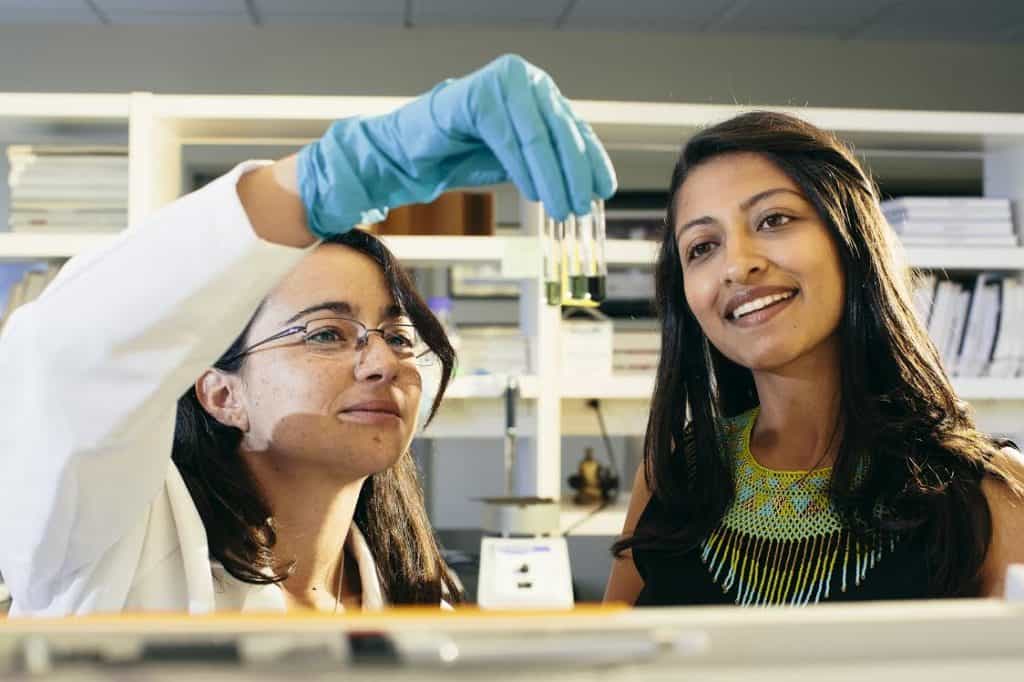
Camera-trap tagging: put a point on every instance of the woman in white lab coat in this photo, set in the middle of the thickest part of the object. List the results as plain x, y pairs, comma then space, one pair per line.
277, 357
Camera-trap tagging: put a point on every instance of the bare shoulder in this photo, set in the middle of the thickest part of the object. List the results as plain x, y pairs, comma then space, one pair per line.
1006, 506
624, 582
638, 499
1003, 496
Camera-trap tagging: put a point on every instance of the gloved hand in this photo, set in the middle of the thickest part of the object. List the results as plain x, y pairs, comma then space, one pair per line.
505, 121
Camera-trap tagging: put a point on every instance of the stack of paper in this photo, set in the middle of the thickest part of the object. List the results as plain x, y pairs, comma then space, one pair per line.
59, 189
951, 221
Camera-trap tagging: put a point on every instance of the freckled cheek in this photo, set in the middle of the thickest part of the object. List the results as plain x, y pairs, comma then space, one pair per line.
305, 388
411, 377
411, 385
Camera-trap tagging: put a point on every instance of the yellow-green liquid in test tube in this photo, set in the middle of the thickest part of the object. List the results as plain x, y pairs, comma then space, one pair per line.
552, 261
574, 257
597, 268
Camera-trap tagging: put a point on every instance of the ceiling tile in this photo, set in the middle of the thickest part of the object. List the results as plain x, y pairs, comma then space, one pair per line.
979, 20
128, 18
42, 4
333, 19
81, 15
173, 6
337, 12
685, 15
522, 12
799, 16
332, 7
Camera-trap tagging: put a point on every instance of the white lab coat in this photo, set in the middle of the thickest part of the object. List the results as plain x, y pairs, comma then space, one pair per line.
94, 516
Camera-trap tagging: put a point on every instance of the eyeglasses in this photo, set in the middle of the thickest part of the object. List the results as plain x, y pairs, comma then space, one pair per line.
332, 337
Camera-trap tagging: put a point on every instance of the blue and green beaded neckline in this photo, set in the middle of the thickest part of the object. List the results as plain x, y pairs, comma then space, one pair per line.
782, 541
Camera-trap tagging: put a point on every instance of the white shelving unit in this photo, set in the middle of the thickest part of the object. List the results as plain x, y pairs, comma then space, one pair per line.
638, 134
22, 246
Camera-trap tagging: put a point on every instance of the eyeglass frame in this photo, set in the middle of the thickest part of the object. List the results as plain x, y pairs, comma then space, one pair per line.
423, 359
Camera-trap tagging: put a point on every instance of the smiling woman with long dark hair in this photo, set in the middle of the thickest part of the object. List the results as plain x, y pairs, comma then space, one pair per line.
804, 442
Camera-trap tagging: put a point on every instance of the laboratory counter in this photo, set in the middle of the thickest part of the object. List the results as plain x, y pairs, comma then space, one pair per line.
963, 640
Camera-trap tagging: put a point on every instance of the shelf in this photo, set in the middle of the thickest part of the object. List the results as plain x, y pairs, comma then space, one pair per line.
966, 258
641, 387
56, 107
51, 118
489, 386
509, 252
652, 126
658, 126
605, 522
610, 387
517, 255
641, 252
22, 246
245, 119
512, 253
644, 253
984, 388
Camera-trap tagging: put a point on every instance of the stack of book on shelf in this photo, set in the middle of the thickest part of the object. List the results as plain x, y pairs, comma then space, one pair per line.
951, 221
61, 189
21, 283
978, 326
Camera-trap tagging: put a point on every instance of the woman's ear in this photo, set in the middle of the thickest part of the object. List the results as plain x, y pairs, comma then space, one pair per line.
220, 394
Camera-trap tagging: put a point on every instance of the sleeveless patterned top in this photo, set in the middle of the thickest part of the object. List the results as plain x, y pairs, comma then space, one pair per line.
780, 542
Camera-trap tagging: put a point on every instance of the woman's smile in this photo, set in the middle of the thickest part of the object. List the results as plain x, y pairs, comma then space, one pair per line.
759, 310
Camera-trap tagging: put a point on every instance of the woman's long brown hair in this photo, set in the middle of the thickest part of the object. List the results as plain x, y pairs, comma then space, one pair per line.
910, 459
390, 511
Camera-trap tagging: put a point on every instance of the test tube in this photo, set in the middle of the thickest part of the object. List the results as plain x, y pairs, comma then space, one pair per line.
574, 260
585, 230
553, 261
597, 270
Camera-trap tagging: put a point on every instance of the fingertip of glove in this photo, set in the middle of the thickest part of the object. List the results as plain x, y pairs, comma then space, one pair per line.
510, 59
605, 181
608, 191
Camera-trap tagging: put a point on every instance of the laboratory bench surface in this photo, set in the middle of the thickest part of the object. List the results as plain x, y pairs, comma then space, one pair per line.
948, 640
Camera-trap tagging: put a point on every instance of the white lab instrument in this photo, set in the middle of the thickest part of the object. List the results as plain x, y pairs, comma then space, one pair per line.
525, 561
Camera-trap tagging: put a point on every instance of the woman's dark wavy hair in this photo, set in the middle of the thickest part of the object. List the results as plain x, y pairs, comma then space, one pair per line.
907, 445
390, 511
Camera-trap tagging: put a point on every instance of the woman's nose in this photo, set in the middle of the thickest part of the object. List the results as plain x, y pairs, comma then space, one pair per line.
375, 360
742, 261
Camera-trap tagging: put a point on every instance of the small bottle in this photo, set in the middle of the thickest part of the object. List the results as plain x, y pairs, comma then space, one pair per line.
441, 306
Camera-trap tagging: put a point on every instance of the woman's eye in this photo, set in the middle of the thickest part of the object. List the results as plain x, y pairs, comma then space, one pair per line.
700, 249
326, 335
775, 220
400, 340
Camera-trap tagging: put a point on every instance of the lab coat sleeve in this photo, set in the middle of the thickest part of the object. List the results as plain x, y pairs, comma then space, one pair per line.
91, 373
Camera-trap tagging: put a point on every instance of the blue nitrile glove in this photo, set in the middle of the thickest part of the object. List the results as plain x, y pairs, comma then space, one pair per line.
506, 121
